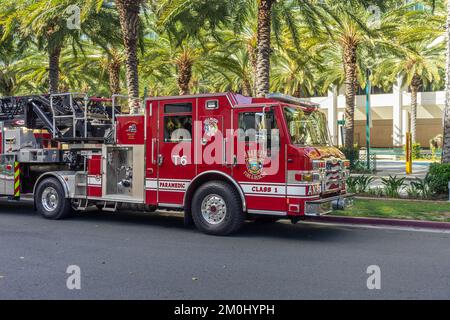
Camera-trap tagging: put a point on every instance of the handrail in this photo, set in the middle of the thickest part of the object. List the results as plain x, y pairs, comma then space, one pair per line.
73, 116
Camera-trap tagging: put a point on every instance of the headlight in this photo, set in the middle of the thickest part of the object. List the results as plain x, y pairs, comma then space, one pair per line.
318, 165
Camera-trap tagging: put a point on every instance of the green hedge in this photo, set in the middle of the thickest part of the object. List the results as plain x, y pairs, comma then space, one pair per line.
439, 176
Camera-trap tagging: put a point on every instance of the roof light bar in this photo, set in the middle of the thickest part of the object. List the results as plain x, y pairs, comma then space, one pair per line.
289, 99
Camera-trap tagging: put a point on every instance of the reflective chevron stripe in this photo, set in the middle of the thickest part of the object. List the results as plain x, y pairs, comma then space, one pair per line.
16, 179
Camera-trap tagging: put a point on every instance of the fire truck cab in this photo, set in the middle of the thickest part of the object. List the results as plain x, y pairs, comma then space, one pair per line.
219, 158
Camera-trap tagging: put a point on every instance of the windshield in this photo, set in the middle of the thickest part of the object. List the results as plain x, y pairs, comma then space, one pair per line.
307, 128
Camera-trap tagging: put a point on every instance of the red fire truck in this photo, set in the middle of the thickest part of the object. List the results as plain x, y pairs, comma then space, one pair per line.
219, 158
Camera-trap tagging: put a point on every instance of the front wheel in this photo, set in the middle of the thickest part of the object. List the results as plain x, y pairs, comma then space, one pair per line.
217, 209
50, 200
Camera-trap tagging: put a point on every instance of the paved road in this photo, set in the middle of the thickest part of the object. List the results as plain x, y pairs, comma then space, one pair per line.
153, 257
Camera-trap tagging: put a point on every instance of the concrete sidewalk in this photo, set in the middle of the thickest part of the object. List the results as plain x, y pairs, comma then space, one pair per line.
398, 168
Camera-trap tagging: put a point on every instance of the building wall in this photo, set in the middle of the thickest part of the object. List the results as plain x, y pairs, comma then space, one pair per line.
427, 129
381, 133
388, 111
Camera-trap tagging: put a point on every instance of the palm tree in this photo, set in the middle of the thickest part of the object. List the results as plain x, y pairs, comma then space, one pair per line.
78, 72
45, 23
9, 52
417, 63
296, 71
263, 48
114, 64
130, 22
235, 59
234, 14
236, 72
348, 31
104, 64
312, 13
416, 55
270, 13
170, 63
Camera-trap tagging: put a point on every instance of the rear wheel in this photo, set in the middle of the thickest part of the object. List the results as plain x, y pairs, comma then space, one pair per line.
50, 200
217, 209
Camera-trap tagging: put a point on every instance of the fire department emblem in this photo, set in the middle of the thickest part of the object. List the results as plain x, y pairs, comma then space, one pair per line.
254, 162
210, 127
132, 128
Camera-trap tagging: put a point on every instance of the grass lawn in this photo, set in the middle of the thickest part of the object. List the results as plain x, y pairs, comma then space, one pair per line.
398, 209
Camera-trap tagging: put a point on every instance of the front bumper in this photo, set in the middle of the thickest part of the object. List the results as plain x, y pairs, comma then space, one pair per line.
327, 205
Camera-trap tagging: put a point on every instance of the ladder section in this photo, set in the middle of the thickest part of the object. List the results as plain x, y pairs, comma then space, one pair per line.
68, 117
81, 119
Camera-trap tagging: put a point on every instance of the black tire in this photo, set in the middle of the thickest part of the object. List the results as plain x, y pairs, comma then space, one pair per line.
220, 191
62, 207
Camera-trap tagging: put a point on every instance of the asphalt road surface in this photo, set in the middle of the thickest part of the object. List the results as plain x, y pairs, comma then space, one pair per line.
137, 256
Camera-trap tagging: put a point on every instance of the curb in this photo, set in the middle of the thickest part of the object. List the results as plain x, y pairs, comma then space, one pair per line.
402, 199
407, 178
383, 222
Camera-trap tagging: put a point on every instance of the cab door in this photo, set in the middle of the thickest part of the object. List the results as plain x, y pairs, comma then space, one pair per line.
259, 154
171, 148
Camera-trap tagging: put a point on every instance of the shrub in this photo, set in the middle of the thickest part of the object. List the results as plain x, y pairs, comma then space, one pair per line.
359, 184
351, 184
376, 192
423, 186
439, 175
416, 151
393, 186
362, 183
412, 191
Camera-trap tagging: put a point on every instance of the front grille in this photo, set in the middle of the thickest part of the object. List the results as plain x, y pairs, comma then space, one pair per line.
334, 176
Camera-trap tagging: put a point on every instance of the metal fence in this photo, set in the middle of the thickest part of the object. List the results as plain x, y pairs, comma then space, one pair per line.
370, 165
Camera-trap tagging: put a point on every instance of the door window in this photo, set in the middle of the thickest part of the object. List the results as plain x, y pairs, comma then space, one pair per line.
258, 127
178, 122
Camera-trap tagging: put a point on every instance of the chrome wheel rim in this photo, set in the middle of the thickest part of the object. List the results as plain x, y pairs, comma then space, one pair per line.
214, 209
50, 199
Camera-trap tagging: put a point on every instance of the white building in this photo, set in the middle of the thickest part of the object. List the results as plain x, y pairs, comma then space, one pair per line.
390, 116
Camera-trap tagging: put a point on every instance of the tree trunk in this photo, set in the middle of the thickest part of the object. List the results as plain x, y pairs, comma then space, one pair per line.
415, 86
298, 92
184, 64
129, 22
6, 84
263, 48
246, 87
114, 65
446, 147
350, 93
54, 54
252, 57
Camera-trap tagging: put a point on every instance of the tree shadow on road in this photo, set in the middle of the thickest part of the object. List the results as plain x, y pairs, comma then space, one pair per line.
174, 221
280, 230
